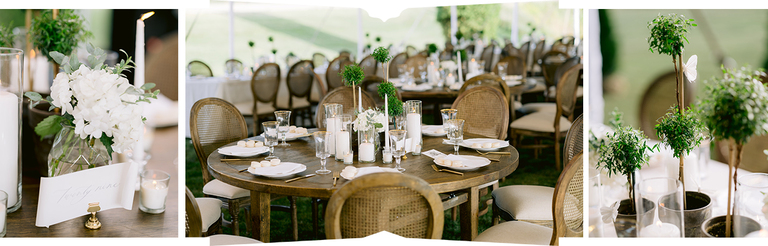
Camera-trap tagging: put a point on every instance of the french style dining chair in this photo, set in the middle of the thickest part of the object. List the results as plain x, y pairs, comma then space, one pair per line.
333, 72
300, 79
202, 215
399, 203
213, 124
369, 65
566, 209
343, 96
264, 85
199, 68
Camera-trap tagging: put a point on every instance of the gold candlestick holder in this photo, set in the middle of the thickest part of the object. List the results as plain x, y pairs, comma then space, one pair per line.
93, 222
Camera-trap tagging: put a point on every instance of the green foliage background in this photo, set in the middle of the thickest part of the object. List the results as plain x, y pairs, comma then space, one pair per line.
607, 43
472, 19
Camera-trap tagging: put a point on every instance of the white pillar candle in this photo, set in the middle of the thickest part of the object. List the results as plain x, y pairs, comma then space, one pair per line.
40, 79
333, 125
359, 99
386, 123
413, 127
153, 194
450, 79
9, 146
366, 152
660, 229
759, 234
348, 158
386, 156
342, 144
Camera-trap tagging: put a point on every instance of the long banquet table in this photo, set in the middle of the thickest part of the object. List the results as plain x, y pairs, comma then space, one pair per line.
321, 186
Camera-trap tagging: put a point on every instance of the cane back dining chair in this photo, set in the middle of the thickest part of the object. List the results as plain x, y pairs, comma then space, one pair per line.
332, 73
550, 124
510, 50
566, 209
538, 52
417, 64
657, 99
368, 64
199, 213
300, 80
264, 85
343, 96
233, 67
549, 64
213, 124
411, 51
487, 56
318, 59
494, 81
525, 202
398, 203
397, 60
525, 52
199, 68
552, 93
515, 65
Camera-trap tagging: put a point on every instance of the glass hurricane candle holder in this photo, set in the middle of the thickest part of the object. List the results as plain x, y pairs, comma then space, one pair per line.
333, 112
343, 137
3, 211
367, 145
751, 204
11, 65
412, 111
154, 190
667, 195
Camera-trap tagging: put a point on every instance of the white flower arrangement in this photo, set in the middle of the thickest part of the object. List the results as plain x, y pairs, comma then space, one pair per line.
370, 118
97, 100
449, 65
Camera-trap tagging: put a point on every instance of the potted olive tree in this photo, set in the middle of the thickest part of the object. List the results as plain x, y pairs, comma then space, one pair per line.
734, 108
624, 152
57, 30
678, 130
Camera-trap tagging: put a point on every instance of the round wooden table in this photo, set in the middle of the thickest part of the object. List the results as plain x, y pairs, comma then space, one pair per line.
321, 186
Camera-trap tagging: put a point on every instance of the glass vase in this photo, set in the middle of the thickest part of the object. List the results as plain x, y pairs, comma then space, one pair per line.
333, 112
412, 111
11, 66
70, 153
343, 137
666, 194
751, 204
368, 145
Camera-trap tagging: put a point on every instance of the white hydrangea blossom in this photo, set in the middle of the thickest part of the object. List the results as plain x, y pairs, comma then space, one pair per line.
449, 65
366, 119
101, 103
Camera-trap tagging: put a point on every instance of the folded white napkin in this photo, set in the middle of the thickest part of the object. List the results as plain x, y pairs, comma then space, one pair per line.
283, 168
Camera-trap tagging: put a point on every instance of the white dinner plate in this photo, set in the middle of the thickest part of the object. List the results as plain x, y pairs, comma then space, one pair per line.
432, 130
242, 151
368, 170
284, 170
470, 162
421, 87
467, 143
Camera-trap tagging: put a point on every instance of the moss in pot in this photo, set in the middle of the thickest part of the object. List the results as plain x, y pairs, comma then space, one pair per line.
624, 152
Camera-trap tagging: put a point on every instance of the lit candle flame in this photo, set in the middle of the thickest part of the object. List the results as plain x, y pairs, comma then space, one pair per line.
763, 233
658, 223
32, 53
147, 15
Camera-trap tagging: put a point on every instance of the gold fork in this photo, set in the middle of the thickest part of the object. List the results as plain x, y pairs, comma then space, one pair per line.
446, 170
335, 177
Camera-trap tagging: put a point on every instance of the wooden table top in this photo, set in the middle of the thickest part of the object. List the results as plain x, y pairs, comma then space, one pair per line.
321, 186
116, 222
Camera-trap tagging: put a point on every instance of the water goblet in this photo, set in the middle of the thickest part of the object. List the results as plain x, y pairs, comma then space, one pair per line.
270, 138
448, 114
502, 69
321, 150
284, 119
456, 133
397, 138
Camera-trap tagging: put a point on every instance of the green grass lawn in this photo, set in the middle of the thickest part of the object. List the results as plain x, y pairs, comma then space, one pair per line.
740, 33
530, 171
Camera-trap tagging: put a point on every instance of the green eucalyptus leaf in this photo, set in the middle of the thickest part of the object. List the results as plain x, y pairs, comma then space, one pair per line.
49, 126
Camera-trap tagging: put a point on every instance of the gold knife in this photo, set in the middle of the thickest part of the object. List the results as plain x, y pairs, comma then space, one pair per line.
302, 177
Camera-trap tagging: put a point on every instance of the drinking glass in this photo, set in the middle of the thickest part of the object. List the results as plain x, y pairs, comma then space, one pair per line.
502, 69
595, 198
321, 150
398, 147
284, 123
751, 206
666, 195
402, 71
481, 65
456, 133
423, 72
448, 114
3, 208
270, 138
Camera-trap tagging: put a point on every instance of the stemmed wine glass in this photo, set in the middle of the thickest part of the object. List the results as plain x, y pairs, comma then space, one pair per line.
456, 133
270, 138
398, 147
321, 149
284, 119
448, 114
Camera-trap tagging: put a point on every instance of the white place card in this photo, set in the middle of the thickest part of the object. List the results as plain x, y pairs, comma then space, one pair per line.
433, 153
66, 197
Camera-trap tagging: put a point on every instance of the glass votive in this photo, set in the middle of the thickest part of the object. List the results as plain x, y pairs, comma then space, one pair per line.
386, 156
667, 197
3, 212
154, 190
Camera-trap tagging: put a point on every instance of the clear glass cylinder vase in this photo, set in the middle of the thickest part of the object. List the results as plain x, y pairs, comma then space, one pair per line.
70, 153
368, 145
412, 112
667, 195
343, 137
333, 112
751, 206
11, 72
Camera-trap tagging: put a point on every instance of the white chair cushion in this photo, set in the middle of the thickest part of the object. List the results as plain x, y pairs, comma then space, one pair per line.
246, 108
516, 232
525, 202
210, 211
226, 239
224, 190
553, 91
538, 107
540, 87
540, 122
518, 104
